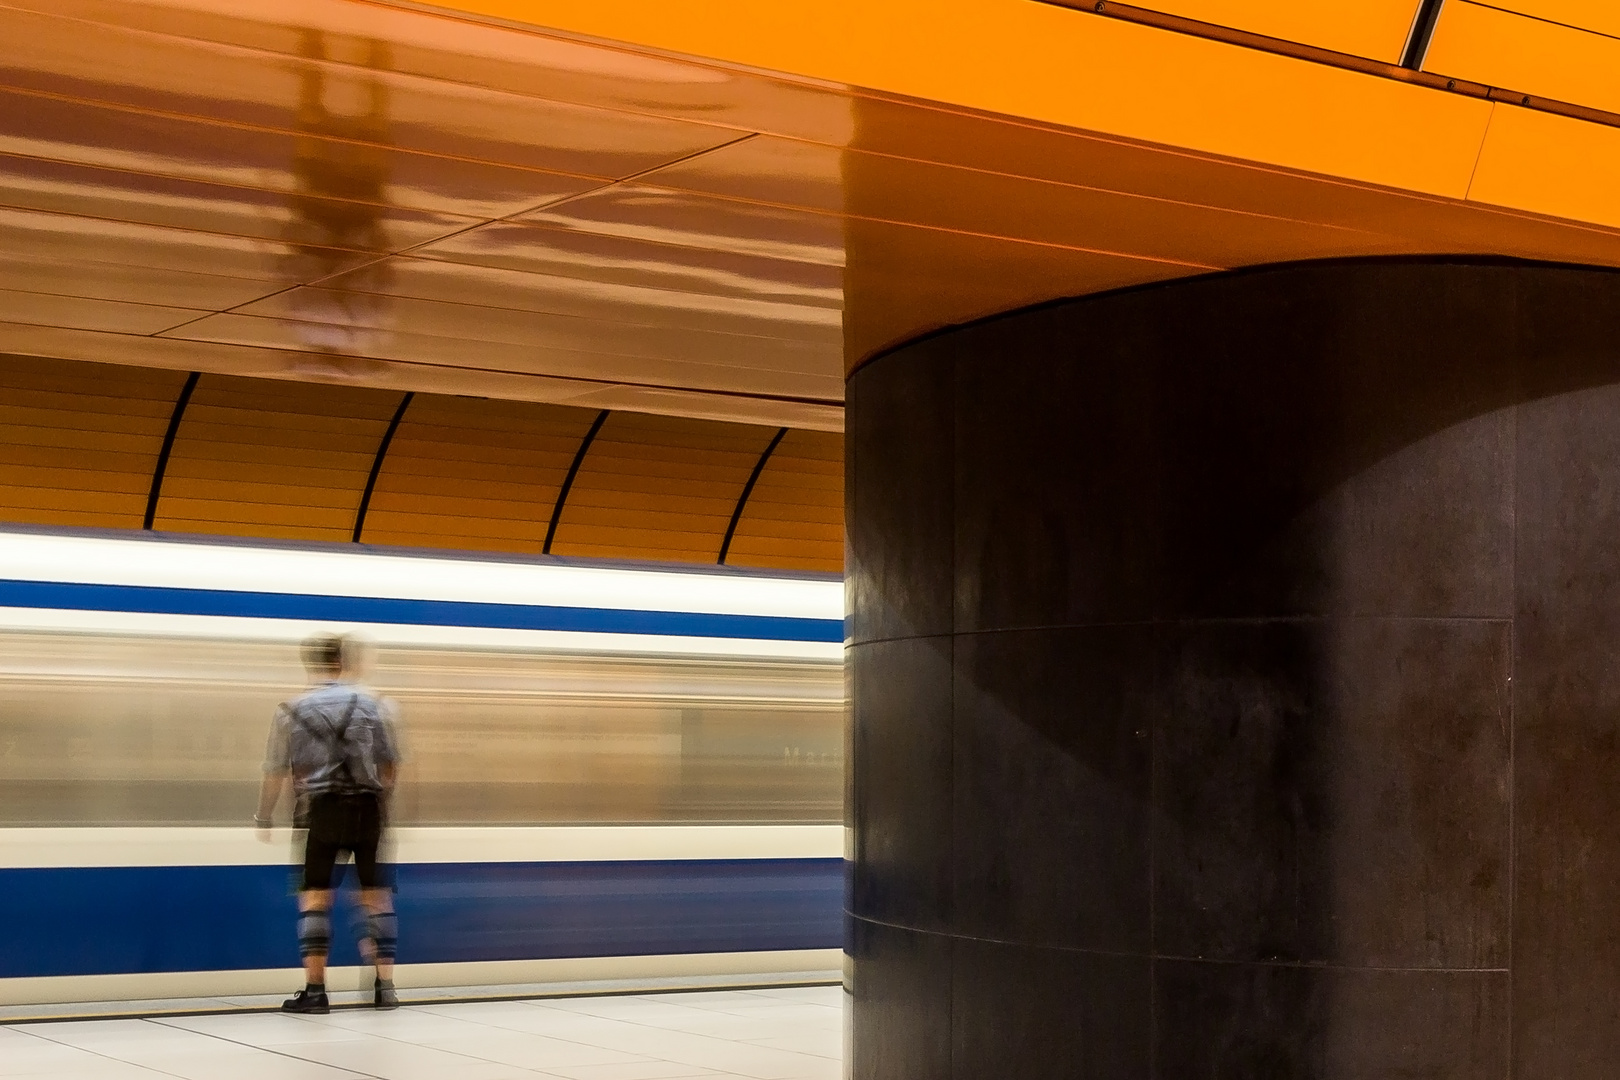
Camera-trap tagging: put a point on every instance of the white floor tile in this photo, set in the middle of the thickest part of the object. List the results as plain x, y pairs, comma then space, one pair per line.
647, 1070
827, 1044
401, 1061
789, 1033
538, 1051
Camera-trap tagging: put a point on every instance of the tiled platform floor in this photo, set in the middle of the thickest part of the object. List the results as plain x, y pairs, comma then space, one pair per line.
775, 1034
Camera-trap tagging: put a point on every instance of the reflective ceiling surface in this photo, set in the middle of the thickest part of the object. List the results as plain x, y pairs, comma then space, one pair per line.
380, 195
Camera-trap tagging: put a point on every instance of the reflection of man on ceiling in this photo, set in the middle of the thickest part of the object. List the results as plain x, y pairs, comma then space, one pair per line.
335, 223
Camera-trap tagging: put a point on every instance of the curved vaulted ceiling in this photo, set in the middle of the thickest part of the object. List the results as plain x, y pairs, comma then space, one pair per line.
111, 446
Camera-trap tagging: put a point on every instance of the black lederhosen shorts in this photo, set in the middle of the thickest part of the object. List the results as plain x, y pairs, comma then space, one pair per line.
339, 823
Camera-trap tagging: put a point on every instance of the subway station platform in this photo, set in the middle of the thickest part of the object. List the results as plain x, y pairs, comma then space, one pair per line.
786, 1033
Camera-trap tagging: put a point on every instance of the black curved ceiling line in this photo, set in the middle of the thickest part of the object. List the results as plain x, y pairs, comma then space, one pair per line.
748, 489
162, 468
568, 481
377, 463
1417, 42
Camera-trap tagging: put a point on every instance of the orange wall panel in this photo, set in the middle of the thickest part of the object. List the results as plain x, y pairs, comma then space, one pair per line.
474, 474
654, 483
795, 516
319, 441
78, 442
276, 460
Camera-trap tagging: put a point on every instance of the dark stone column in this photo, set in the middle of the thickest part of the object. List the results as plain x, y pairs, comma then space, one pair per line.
1236, 681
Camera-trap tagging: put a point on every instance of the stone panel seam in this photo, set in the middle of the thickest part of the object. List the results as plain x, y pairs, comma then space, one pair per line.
1236, 620
1303, 965
1117, 953
1512, 732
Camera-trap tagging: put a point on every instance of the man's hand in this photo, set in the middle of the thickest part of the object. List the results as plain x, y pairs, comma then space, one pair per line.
269, 795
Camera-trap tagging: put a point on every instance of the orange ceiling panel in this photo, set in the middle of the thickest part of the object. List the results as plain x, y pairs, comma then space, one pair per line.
417, 201
32, 234
415, 195
900, 279
1526, 56
90, 314
440, 343
1376, 29
546, 330
675, 218
345, 88
677, 309
602, 263
904, 191
117, 195
1069, 68
96, 279
1602, 16
1552, 164
450, 375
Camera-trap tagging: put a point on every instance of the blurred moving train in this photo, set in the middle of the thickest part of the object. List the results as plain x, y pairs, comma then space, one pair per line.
611, 772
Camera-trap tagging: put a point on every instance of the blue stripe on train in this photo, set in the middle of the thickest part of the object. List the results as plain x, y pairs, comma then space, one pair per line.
108, 920
152, 600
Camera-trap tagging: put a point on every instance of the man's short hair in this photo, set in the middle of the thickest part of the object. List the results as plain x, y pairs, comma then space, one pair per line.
323, 652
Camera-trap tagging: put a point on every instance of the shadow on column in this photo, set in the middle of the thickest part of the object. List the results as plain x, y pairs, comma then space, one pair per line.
1219, 650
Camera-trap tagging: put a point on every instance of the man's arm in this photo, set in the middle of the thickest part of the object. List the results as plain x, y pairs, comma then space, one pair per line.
269, 794
277, 768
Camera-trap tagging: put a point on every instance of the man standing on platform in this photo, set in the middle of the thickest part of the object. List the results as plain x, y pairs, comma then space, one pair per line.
337, 744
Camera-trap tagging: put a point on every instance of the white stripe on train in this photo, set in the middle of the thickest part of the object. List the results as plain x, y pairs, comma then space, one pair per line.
107, 560
86, 846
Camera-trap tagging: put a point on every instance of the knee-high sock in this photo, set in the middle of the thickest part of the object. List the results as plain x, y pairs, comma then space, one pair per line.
382, 927
314, 933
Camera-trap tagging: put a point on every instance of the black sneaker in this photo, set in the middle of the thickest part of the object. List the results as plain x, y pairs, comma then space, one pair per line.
306, 1001
383, 997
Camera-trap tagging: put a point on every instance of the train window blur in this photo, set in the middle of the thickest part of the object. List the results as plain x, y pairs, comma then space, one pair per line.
111, 730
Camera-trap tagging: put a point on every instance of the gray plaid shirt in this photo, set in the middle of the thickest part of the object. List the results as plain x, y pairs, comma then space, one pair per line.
335, 738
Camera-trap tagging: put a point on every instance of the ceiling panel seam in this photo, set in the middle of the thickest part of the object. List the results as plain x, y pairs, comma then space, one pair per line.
410, 249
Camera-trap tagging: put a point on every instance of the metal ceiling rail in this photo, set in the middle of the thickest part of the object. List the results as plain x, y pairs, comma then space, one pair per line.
1423, 30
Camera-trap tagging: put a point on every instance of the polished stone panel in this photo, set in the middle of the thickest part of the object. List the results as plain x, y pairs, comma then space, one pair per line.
1047, 1014
898, 573
1058, 519
1268, 624
900, 986
1334, 792
1567, 753
1052, 738
1248, 1021
901, 805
